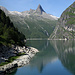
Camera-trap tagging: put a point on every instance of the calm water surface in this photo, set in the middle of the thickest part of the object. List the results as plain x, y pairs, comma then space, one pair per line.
54, 58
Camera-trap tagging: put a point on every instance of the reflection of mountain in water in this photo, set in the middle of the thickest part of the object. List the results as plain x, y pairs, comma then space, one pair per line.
46, 55
66, 53
39, 44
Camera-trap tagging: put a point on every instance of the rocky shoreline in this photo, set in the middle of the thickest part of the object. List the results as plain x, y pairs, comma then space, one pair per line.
21, 61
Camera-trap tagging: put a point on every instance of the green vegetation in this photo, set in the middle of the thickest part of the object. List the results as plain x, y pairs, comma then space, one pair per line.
70, 11
3, 63
37, 26
8, 33
19, 54
11, 59
70, 21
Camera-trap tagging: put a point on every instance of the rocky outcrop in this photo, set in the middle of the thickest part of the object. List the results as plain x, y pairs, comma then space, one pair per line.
22, 60
6, 52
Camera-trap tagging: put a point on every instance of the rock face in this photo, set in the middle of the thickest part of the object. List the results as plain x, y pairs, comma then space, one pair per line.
22, 60
66, 25
40, 9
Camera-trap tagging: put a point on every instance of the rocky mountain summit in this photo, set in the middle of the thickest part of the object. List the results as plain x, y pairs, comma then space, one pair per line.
66, 25
40, 9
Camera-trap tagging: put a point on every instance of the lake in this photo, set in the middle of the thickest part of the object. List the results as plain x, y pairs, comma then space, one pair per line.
54, 58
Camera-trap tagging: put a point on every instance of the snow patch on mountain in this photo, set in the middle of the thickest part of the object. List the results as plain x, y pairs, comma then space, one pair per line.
56, 18
15, 13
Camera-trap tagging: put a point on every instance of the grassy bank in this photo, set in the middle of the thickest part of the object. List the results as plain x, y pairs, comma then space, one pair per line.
11, 59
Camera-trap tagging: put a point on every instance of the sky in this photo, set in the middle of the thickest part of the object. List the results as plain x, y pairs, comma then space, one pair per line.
54, 7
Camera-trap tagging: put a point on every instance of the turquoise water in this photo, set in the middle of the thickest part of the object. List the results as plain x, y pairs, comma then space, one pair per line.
54, 58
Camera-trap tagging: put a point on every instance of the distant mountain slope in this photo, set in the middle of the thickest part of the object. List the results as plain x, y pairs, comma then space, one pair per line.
34, 23
66, 25
4, 9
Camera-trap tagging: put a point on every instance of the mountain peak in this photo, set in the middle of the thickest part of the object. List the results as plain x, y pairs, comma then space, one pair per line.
39, 9
39, 6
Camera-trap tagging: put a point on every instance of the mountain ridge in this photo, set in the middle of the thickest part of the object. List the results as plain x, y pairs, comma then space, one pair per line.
33, 24
39, 11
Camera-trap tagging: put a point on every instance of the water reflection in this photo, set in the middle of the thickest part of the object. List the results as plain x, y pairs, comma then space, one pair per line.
39, 44
54, 58
46, 55
66, 53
